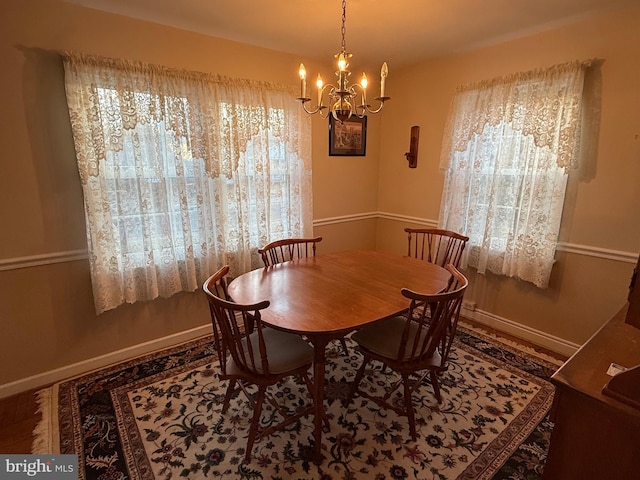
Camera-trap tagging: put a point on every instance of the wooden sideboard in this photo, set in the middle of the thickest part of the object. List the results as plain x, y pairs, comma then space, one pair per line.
595, 435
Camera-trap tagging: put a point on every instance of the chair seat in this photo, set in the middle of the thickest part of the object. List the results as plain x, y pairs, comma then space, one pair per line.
286, 352
384, 337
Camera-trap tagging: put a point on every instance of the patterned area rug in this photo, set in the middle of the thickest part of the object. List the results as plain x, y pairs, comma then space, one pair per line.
159, 417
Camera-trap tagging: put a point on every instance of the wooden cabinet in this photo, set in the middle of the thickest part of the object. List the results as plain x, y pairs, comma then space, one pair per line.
595, 435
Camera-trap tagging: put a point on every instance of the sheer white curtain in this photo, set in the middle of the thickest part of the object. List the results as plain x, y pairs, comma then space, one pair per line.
507, 149
182, 172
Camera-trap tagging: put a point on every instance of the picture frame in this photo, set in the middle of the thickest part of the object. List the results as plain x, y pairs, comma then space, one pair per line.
348, 138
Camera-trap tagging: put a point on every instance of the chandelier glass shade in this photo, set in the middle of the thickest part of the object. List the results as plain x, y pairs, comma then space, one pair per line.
342, 100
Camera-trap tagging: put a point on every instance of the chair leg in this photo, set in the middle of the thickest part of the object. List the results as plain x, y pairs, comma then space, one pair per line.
231, 389
408, 406
356, 381
436, 386
255, 422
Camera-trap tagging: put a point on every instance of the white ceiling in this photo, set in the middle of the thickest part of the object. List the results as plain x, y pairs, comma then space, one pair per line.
398, 31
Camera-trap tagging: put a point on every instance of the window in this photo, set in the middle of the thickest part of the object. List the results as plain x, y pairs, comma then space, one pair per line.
182, 173
508, 147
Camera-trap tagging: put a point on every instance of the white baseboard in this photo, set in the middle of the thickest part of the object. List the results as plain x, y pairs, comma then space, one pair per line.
70, 371
536, 337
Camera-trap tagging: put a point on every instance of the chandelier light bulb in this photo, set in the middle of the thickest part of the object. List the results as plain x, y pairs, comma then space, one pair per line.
303, 81
363, 81
384, 71
319, 85
342, 62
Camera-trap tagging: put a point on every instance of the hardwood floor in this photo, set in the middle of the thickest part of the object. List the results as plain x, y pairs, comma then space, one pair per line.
19, 417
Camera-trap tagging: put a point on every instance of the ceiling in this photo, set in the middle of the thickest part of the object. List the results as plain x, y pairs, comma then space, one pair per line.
401, 32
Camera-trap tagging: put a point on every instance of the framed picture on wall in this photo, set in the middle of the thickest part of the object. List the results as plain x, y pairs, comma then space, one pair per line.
348, 138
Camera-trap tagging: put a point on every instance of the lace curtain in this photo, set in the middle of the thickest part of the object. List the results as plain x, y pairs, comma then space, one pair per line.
507, 149
182, 173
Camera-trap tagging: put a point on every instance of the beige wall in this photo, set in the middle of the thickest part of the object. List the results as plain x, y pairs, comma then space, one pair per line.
602, 207
47, 319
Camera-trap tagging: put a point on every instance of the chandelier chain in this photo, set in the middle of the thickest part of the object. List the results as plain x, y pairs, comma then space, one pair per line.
344, 29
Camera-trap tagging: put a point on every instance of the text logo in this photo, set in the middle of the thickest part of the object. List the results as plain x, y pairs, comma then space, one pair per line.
49, 467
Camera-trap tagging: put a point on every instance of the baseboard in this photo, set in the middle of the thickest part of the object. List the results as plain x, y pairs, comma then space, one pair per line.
70, 371
536, 337
504, 325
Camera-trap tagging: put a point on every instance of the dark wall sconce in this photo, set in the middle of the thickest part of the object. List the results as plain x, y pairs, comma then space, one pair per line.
412, 154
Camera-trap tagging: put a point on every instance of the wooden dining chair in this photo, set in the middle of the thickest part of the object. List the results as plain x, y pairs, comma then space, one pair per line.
288, 249
412, 344
262, 358
291, 249
434, 245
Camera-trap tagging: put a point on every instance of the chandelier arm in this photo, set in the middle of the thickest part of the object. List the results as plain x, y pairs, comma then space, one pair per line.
313, 111
320, 104
321, 95
372, 111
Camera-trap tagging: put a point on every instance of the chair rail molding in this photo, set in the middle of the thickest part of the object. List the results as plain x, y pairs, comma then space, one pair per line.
356, 217
575, 248
75, 255
42, 259
618, 255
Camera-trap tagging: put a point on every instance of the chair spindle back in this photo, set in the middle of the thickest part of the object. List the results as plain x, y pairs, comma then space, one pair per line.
288, 249
435, 245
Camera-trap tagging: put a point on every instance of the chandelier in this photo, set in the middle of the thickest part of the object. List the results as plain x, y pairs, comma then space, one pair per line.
342, 97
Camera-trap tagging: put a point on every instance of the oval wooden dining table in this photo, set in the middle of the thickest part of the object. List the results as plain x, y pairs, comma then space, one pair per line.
327, 296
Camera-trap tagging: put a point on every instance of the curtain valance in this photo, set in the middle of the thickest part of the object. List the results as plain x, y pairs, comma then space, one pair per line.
543, 104
124, 94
